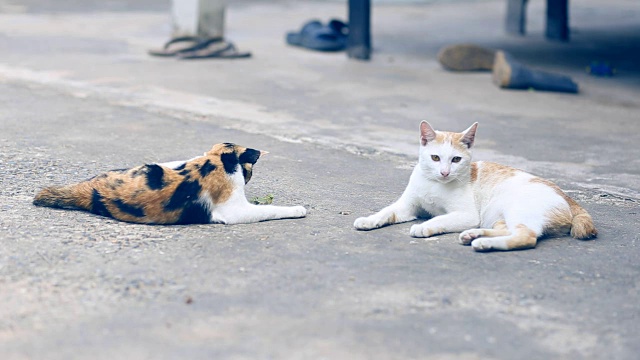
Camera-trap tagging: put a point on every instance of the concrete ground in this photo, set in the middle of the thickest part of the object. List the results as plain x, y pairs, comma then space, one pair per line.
80, 96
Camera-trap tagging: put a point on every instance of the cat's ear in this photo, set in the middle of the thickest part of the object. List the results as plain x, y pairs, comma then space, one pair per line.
250, 156
427, 133
469, 135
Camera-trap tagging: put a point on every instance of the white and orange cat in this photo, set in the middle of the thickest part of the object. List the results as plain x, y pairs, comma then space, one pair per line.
511, 207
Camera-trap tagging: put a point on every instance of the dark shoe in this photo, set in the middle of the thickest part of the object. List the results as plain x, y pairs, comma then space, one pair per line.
466, 57
510, 74
315, 36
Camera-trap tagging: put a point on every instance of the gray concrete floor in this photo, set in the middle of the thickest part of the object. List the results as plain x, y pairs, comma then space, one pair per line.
80, 96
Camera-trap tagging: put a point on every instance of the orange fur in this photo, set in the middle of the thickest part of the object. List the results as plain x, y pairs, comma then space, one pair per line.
474, 172
524, 238
493, 173
580, 223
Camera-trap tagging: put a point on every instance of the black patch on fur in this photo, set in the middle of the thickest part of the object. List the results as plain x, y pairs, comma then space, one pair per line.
244, 174
154, 177
230, 162
97, 206
181, 167
207, 168
129, 209
194, 213
228, 145
186, 193
184, 172
249, 156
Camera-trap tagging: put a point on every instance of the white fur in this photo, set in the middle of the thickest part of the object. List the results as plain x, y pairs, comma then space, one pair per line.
237, 210
455, 204
517, 200
176, 164
450, 203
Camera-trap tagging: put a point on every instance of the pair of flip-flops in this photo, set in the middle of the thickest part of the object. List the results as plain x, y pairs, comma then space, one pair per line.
192, 47
316, 36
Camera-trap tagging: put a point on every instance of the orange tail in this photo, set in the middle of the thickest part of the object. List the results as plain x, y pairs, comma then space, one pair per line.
65, 197
582, 224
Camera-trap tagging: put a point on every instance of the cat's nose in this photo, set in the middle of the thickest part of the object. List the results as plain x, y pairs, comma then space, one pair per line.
444, 173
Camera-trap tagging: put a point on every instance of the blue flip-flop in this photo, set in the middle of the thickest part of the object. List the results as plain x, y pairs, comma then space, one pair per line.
315, 36
339, 26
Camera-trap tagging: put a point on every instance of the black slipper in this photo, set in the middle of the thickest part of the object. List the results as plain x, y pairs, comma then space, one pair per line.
221, 50
182, 44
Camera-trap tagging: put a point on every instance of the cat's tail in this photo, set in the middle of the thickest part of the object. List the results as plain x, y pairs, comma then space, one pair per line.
65, 197
582, 224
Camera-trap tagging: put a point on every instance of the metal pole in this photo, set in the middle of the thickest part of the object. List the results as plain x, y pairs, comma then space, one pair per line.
359, 41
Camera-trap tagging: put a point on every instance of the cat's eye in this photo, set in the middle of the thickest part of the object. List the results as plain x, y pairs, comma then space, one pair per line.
435, 157
456, 159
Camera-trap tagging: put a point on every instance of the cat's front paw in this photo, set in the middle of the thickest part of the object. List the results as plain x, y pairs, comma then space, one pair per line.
298, 212
364, 223
467, 236
481, 244
421, 231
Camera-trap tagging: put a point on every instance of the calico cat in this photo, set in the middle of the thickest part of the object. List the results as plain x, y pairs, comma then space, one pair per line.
202, 190
512, 208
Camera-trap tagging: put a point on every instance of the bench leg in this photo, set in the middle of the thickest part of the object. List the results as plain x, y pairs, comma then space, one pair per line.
558, 20
359, 41
516, 20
